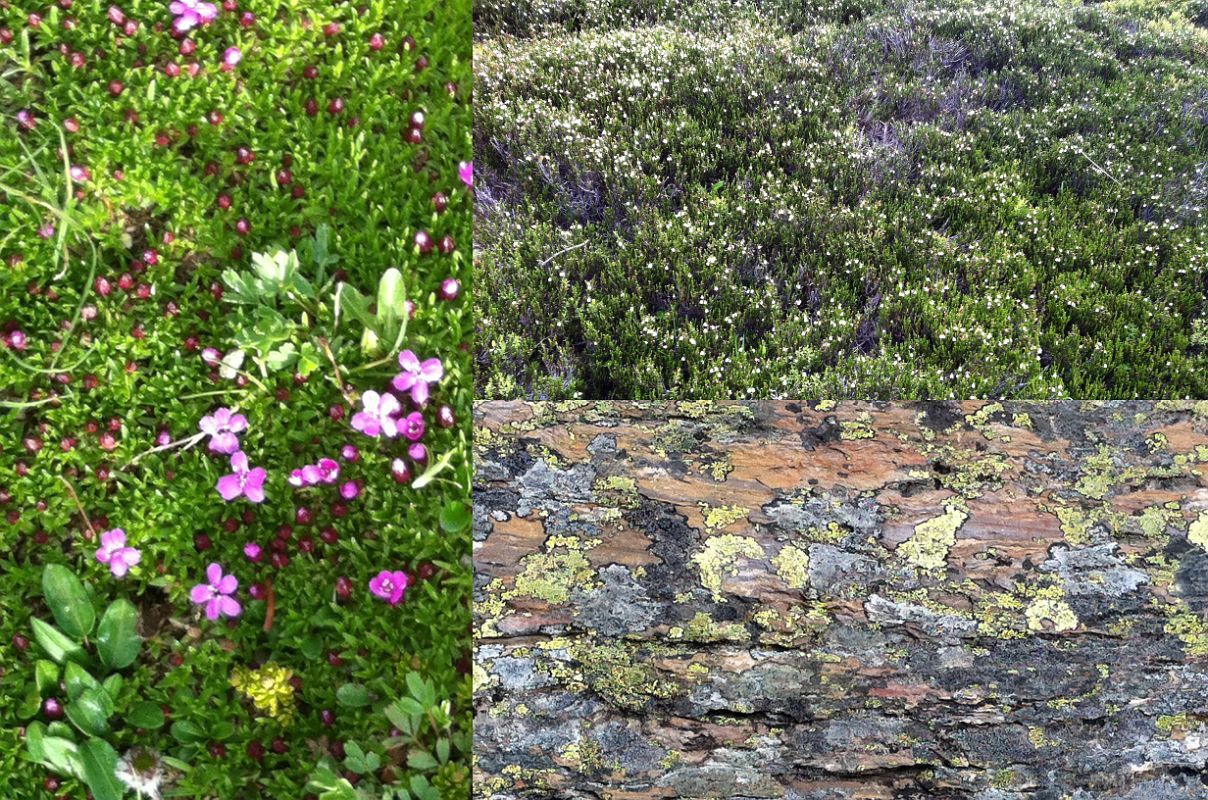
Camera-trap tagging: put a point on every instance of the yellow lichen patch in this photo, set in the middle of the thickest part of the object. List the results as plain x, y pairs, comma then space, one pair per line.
928, 547
482, 678
1191, 630
1075, 524
268, 688
703, 628
859, 428
1049, 611
722, 516
980, 419
719, 558
792, 565
550, 575
618, 490
1096, 480
790, 629
1197, 532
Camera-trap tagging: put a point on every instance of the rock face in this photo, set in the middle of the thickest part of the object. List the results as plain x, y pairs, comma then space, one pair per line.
842, 600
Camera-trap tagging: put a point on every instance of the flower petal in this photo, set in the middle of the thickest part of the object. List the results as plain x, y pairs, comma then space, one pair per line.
229, 487
419, 393
432, 370
214, 574
212, 608
408, 361
201, 593
239, 461
228, 584
229, 606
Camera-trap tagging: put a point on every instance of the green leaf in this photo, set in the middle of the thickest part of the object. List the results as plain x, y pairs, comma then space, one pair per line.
186, 731
433, 470
442, 750
146, 715
90, 711
391, 303
112, 685
117, 640
222, 730
312, 648
46, 676
351, 302
454, 517
55, 752
100, 764
70, 604
422, 690
421, 759
58, 646
78, 679
353, 695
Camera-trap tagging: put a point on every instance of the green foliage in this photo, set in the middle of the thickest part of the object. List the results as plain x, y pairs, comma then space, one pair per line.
90, 703
839, 199
112, 366
433, 740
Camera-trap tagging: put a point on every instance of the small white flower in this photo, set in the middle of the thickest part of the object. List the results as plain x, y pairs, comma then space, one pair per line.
142, 771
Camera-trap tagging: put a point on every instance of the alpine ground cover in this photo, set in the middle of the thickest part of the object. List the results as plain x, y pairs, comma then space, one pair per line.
229, 232
707, 198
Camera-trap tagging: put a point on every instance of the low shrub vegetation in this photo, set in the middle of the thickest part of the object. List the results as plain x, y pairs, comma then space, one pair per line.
234, 399
707, 198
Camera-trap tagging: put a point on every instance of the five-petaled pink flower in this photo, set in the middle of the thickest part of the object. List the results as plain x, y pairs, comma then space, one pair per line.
243, 481
215, 595
465, 171
377, 415
412, 426
390, 586
222, 426
114, 552
417, 376
231, 57
191, 13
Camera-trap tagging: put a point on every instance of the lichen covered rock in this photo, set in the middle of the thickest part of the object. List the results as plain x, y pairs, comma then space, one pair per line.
965, 600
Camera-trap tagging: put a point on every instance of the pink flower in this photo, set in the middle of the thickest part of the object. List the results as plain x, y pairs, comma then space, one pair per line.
16, 340
349, 490
465, 171
243, 481
222, 426
377, 415
252, 551
326, 471
216, 594
231, 57
417, 376
192, 13
350, 452
46, 231
412, 426
390, 586
113, 551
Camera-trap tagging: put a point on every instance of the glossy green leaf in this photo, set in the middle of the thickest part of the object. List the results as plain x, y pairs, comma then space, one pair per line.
57, 645
353, 695
454, 516
186, 731
100, 764
78, 680
90, 711
112, 685
117, 639
46, 676
146, 715
70, 604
